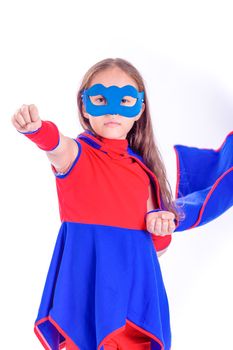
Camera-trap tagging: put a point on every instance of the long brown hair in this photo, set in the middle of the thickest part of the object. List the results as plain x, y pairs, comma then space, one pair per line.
141, 137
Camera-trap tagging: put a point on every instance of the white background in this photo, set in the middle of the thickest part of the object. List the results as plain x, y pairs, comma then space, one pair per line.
183, 49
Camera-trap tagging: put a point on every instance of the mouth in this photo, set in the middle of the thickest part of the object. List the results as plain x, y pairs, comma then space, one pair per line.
111, 123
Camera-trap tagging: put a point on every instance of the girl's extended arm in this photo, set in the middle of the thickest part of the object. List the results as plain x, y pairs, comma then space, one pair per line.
61, 150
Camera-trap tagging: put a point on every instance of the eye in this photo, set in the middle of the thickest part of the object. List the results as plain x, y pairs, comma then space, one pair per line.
97, 100
128, 100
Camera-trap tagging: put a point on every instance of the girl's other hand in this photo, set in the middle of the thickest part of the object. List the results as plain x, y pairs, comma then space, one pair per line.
160, 223
26, 118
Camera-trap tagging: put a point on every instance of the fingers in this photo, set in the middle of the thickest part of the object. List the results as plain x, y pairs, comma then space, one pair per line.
16, 123
25, 114
162, 223
26, 118
158, 225
22, 116
161, 226
151, 225
33, 112
18, 119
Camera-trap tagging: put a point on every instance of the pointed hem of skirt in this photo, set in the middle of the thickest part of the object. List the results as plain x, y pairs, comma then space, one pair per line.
71, 344
87, 296
45, 342
159, 344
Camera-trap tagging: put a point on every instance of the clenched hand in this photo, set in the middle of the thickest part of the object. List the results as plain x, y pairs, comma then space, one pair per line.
160, 223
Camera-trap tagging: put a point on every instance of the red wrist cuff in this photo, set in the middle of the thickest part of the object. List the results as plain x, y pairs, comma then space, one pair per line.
46, 137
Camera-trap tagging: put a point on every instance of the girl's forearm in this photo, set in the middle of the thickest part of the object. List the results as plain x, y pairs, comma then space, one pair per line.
59, 149
63, 155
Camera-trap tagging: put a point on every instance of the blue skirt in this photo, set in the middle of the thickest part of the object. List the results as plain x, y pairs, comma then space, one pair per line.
99, 278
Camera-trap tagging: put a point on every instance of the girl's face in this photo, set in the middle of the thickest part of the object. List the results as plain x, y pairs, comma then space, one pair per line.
112, 76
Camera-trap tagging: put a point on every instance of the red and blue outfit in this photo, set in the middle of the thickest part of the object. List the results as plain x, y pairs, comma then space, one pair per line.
104, 273
104, 269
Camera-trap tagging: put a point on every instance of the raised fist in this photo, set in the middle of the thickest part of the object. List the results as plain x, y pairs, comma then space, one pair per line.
26, 118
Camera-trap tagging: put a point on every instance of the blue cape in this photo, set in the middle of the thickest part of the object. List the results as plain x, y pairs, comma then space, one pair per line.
204, 186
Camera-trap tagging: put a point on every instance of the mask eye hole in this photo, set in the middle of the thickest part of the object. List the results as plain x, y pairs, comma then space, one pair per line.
98, 100
128, 101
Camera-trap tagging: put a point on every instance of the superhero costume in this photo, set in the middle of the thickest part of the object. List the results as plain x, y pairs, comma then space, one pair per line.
104, 271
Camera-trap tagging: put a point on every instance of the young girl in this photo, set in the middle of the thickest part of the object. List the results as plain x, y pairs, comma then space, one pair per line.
104, 288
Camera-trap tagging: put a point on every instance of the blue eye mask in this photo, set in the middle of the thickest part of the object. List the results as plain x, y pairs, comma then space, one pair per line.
112, 104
